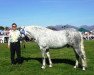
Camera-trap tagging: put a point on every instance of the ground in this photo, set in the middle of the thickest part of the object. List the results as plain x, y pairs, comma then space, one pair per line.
63, 61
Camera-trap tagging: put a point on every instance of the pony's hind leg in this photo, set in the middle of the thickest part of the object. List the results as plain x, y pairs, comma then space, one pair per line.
83, 60
84, 63
77, 60
49, 58
82, 57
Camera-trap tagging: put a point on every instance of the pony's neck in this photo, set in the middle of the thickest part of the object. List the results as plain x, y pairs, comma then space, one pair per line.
36, 33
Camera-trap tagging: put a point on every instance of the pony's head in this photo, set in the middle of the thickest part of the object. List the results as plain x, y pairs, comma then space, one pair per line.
22, 31
26, 34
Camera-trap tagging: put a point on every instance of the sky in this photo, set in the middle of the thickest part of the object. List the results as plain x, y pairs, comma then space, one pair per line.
46, 12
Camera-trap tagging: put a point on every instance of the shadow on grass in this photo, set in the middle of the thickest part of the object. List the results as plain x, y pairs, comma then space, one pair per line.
55, 61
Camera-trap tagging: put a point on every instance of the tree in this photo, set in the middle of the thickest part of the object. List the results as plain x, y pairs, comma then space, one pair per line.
1, 28
83, 30
6, 28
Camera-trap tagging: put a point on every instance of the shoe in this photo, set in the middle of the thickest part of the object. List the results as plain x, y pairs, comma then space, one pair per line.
19, 60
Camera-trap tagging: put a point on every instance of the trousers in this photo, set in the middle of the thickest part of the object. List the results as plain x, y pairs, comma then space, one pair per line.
15, 52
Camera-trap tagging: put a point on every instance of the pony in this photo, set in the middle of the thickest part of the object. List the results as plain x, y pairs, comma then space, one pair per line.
50, 39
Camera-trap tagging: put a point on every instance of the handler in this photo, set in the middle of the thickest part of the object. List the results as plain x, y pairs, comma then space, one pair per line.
14, 44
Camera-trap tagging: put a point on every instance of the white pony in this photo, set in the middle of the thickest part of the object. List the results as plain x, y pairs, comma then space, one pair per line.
47, 39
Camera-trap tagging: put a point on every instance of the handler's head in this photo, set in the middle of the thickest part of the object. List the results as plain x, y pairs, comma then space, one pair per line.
14, 26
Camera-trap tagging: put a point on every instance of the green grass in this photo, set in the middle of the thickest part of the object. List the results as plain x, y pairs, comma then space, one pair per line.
63, 61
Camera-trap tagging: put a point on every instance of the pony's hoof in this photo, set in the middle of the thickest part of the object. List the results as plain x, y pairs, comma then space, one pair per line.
75, 67
43, 67
83, 69
50, 66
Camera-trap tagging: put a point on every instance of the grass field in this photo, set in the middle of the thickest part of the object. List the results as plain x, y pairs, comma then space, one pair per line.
63, 61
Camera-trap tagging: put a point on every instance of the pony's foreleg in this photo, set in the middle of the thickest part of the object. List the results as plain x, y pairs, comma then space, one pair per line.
49, 58
43, 60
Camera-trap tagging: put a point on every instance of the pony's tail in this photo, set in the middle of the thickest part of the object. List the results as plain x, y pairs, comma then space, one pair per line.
83, 50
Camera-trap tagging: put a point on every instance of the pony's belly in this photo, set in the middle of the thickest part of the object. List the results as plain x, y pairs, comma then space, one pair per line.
57, 45
57, 42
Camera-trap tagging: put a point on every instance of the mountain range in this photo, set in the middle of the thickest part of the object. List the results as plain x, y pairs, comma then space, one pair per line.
60, 27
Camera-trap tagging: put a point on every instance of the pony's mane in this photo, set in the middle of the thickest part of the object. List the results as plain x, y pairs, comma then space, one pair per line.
39, 28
